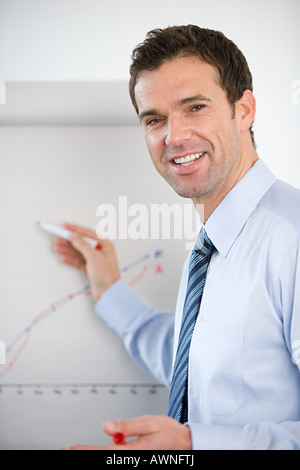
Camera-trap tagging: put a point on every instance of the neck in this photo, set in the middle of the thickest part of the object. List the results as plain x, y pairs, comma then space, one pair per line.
206, 204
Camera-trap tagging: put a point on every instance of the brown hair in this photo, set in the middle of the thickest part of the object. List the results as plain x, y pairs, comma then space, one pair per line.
210, 46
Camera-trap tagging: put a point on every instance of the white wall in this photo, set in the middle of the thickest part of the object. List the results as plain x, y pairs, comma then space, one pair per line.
91, 40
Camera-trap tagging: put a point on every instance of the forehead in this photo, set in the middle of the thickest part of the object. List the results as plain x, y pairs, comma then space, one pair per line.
176, 79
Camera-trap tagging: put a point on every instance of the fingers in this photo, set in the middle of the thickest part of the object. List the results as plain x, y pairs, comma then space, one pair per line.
69, 254
82, 246
83, 447
82, 231
152, 432
74, 262
100, 265
132, 427
105, 244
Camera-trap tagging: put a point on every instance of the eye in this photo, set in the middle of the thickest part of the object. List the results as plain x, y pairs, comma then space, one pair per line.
198, 107
153, 121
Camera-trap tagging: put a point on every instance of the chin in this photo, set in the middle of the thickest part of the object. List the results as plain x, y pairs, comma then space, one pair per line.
187, 192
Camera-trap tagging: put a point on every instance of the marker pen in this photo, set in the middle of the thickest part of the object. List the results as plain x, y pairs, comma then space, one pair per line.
66, 234
119, 438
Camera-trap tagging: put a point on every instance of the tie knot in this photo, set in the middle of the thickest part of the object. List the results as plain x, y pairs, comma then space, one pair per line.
203, 244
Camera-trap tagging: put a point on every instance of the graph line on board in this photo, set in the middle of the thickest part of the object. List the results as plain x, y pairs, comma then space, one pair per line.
24, 335
37, 319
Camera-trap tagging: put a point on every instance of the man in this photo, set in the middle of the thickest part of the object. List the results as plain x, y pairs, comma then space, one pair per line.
192, 90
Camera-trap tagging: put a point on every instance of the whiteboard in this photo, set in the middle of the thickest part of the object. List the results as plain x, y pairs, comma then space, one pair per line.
65, 371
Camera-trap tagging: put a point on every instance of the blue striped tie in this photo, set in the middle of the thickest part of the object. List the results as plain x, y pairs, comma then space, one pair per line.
199, 261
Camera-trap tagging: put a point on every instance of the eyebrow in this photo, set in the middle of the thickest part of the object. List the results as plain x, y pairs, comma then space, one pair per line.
179, 104
150, 112
192, 99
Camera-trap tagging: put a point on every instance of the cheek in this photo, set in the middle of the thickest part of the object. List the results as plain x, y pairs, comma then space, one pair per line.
154, 158
155, 149
226, 141
155, 163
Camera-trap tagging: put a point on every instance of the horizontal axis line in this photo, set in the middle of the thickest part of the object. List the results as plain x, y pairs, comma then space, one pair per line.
104, 385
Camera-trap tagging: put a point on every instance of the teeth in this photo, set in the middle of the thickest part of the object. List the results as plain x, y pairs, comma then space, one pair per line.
188, 159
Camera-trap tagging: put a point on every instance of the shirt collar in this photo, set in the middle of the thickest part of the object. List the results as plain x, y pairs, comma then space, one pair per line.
228, 219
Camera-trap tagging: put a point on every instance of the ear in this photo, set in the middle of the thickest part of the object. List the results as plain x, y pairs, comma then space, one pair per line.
245, 110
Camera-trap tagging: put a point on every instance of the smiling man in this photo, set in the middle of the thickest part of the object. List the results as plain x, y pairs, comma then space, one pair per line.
227, 355
197, 141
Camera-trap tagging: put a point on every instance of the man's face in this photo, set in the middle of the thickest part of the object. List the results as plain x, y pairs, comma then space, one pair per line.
192, 137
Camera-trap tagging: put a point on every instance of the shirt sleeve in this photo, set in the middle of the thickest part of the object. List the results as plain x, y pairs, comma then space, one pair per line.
147, 333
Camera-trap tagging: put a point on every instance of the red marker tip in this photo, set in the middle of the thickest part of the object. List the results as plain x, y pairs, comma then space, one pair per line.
119, 438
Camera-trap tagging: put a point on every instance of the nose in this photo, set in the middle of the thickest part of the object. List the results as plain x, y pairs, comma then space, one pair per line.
177, 131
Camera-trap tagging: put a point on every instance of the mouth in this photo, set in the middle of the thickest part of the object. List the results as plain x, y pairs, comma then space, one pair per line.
188, 164
188, 159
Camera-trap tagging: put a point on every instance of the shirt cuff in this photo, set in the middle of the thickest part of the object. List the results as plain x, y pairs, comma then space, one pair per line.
119, 306
214, 437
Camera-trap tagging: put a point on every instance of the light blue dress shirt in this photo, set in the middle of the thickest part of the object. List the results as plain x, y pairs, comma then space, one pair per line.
244, 380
